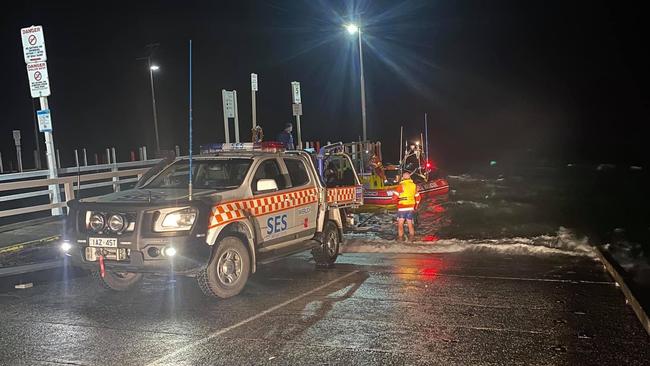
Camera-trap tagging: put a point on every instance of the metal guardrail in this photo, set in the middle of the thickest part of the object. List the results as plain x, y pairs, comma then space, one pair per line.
5, 177
24, 181
33, 184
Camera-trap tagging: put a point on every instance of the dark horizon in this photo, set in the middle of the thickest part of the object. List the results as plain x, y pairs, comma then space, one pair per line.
499, 80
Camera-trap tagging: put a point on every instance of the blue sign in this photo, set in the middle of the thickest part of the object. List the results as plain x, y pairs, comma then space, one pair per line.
44, 120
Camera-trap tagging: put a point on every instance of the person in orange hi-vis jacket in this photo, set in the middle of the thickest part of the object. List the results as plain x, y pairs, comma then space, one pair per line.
409, 198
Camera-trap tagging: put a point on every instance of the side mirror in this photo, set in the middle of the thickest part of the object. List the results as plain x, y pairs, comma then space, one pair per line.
267, 185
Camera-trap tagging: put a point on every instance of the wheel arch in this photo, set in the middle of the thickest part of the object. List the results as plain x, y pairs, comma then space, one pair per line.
243, 231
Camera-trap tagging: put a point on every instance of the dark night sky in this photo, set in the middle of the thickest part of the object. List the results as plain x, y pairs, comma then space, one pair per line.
564, 80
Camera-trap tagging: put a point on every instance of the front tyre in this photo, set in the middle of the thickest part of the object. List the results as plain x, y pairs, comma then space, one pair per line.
117, 281
325, 255
228, 270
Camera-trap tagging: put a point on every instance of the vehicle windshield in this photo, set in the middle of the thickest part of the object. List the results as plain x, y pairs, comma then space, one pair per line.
392, 175
206, 174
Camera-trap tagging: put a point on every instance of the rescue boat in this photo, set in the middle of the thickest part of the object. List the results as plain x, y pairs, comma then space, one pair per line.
378, 193
380, 181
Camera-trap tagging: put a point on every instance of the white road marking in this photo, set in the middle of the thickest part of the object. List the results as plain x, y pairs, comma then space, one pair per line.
245, 321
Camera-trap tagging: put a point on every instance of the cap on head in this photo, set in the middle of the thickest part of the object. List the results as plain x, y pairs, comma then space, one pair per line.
288, 125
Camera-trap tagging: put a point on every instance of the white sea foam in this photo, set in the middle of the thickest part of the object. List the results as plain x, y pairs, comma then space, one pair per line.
471, 203
564, 242
464, 178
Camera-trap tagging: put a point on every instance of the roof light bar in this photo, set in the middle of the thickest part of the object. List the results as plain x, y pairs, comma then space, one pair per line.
269, 146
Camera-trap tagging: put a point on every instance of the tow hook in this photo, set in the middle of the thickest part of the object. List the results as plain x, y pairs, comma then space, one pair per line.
102, 270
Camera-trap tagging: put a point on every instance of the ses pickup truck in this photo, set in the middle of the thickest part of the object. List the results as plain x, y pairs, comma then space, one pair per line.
250, 204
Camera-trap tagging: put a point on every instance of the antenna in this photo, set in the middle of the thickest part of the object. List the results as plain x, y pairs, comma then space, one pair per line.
189, 188
426, 136
76, 155
401, 133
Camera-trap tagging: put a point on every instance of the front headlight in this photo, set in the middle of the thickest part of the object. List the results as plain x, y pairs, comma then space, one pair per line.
176, 220
96, 222
116, 223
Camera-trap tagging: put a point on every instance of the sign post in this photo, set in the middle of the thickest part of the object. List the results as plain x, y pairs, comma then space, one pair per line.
37, 142
297, 109
35, 56
253, 98
19, 153
234, 97
228, 111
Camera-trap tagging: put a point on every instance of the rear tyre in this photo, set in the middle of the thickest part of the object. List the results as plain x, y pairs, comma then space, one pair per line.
228, 270
325, 255
118, 281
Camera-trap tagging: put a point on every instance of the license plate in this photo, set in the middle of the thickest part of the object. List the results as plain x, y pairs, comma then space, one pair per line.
102, 242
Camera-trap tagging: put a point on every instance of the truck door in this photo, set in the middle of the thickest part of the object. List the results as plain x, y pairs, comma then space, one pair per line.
273, 215
347, 190
304, 197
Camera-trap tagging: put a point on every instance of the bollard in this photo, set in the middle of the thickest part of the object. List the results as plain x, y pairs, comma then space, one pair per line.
76, 158
140, 153
58, 159
144, 152
96, 159
19, 155
108, 156
85, 158
116, 180
178, 150
2, 168
132, 155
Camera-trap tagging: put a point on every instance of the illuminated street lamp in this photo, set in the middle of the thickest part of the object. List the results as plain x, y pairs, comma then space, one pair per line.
153, 68
151, 48
352, 29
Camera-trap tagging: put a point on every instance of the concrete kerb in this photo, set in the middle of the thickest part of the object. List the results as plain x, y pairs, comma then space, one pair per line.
629, 296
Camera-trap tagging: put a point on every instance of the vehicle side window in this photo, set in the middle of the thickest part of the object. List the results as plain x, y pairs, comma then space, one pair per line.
338, 172
347, 178
297, 172
269, 169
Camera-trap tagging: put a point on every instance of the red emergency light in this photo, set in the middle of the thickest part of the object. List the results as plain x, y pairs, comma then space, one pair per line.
431, 165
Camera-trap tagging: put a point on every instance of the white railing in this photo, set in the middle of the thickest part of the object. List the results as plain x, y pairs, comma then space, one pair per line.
69, 179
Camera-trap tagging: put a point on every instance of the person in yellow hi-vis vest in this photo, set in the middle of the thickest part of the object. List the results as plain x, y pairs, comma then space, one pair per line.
409, 198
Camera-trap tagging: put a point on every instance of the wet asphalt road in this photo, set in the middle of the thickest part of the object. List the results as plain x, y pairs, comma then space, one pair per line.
467, 308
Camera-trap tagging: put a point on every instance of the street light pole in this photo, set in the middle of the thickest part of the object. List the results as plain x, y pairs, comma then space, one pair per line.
352, 29
153, 103
363, 88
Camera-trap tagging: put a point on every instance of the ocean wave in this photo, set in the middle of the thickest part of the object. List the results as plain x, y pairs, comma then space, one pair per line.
564, 242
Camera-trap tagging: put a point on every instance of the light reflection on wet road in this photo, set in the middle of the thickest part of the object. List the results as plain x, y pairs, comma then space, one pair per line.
456, 308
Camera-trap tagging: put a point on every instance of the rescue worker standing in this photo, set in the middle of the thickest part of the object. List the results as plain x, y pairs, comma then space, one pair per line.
286, 136
409, 198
